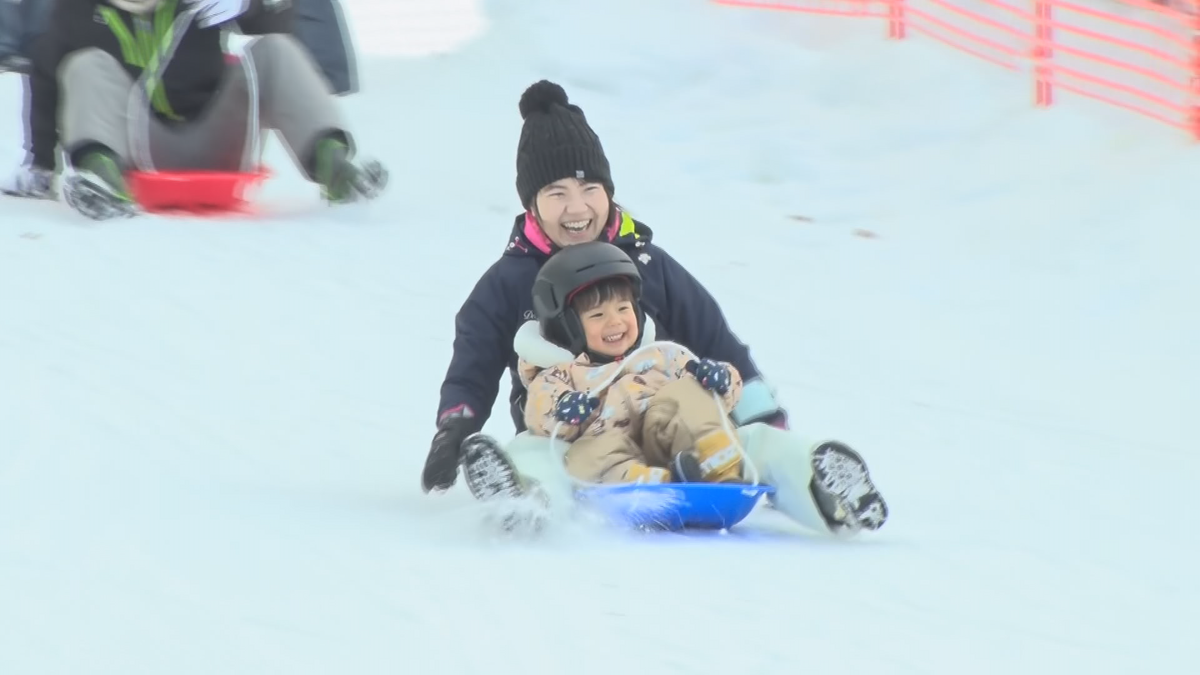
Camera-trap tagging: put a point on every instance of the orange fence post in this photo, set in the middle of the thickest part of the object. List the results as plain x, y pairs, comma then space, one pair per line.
896, 19
1043, 53
1195, 102
1141, 66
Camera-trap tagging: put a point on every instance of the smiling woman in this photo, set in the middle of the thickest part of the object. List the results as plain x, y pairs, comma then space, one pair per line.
571, 210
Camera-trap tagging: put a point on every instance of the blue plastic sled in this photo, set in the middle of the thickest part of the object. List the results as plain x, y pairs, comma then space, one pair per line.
674, 506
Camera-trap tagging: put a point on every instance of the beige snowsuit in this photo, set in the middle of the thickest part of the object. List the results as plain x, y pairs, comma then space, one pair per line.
653, 410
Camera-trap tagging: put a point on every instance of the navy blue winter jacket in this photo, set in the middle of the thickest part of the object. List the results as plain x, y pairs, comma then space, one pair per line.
502, 300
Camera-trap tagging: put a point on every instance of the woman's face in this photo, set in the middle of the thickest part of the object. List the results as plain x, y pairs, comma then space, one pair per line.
571, 211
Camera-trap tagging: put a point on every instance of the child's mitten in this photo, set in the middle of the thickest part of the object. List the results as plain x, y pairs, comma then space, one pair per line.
712, 375
574, 407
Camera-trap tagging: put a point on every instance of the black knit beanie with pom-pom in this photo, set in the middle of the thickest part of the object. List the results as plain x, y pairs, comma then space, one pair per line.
556, 143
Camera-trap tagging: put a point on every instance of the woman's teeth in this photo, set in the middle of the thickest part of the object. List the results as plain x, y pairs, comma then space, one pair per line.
577, 225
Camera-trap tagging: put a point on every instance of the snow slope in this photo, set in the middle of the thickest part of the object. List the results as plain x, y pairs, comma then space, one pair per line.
211, 432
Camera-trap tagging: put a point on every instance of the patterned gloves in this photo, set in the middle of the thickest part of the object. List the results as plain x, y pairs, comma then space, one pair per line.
574, 407
712, 375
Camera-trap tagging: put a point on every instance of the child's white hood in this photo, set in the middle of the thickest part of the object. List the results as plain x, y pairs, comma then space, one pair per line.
533, 347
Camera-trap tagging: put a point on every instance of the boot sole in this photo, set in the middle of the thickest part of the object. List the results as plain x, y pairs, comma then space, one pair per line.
88, 195
492, 478
487, 470
842, 474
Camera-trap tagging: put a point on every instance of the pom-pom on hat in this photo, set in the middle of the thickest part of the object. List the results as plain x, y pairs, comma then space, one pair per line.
556, 142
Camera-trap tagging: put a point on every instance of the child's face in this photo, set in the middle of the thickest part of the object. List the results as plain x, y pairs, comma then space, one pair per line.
611, 327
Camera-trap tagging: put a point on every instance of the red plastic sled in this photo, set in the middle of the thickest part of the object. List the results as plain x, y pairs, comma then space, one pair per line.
206, 192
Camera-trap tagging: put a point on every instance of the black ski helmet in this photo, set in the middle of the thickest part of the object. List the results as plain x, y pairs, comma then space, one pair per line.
571, 270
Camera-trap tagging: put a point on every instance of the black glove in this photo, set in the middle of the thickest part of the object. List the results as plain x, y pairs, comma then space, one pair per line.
574, 407
441, 465
712, 375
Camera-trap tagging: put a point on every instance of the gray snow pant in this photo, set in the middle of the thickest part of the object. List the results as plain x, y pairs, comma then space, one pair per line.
293, 99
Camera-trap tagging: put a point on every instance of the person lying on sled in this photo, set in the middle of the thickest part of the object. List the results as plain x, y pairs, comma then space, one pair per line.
635, 412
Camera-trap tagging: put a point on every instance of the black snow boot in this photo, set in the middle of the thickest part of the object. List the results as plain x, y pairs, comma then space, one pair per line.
491, 476
341, 180
843, 491
487, 470
97, 188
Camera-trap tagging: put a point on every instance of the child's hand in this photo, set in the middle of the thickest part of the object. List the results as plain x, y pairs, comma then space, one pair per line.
574, 407
712, 375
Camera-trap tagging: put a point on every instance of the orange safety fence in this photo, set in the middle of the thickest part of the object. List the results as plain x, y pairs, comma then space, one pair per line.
1139, 55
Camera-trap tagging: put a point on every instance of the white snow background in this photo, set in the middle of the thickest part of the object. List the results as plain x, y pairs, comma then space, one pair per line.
212, 431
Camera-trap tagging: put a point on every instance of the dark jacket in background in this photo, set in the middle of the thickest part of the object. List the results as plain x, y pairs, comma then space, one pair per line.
20, 23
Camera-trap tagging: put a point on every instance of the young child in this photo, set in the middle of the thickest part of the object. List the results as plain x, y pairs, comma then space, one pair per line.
635, 412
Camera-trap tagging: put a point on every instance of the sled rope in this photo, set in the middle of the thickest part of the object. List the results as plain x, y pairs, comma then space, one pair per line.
729, 430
